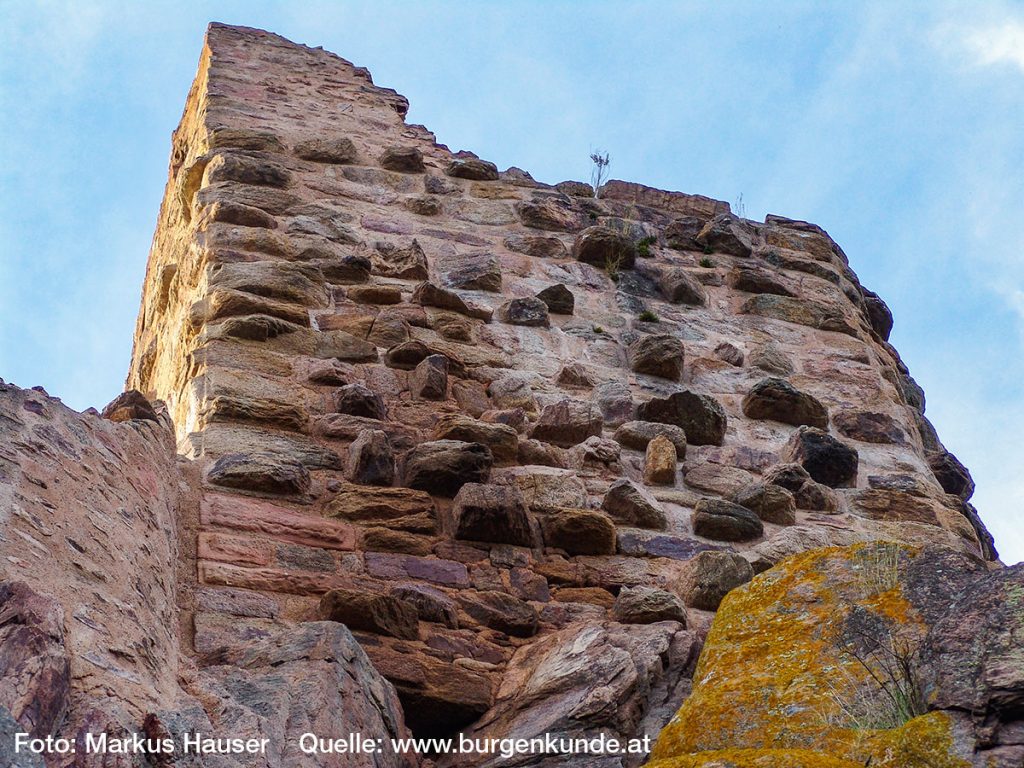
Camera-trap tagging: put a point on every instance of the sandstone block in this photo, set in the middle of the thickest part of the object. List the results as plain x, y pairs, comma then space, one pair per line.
638, 434
501, 612
260, 472
431, 604
402, 159
660, 462
472, 168
526, 310
657, 355
370, 459
492, 513
726, 234
631, 504
559, 299
358, 400
442, 467
680, 287
567, 422
771, 503
380, 614
604, 248
579, 532
335, 150
429, 380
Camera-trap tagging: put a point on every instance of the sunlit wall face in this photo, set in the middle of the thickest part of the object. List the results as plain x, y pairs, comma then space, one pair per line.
895, 126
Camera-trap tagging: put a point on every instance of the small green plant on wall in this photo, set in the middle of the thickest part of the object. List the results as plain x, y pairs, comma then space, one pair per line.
643, 246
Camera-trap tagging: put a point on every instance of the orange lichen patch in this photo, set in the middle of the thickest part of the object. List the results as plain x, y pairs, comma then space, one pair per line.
776, 678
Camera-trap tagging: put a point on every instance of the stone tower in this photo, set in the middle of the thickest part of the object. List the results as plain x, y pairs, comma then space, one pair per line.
416, 445
484, 409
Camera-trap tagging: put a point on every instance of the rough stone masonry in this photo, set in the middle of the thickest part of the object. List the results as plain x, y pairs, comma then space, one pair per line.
516, 440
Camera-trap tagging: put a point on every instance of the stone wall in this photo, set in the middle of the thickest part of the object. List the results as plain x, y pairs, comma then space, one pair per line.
96, 577
462, 411
89, 522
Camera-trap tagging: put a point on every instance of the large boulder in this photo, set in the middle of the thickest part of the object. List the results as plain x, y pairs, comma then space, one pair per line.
778, 400
680, 287
772, 503
869, 427
951, 474
826, 459
551, 214
872, 654
442, 467
403, 262
431, 603
682, 233
429, 379
337, 150
753, 280
657, 355
589, 681
605, 248
492, 513
130, 405
402, 159
477, 271
358, 400
568, 422
501, 439
725, 521
701, 417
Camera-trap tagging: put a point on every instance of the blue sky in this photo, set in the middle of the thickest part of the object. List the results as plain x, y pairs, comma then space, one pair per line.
896, 126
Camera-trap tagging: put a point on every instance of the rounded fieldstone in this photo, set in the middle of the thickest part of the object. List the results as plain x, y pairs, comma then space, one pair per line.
771, 503
647, 605
778, 400
725, 521
605, 248
826, 459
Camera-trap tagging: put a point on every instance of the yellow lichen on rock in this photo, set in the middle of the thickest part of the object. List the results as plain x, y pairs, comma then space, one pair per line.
780, 682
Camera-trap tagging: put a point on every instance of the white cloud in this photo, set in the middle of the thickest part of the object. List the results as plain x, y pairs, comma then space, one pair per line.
997, 40
1001, 43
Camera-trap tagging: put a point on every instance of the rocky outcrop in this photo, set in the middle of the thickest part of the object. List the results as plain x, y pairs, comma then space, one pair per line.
874, 654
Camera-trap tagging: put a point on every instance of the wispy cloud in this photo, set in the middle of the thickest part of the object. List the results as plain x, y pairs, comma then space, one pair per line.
997, 44
996, 41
